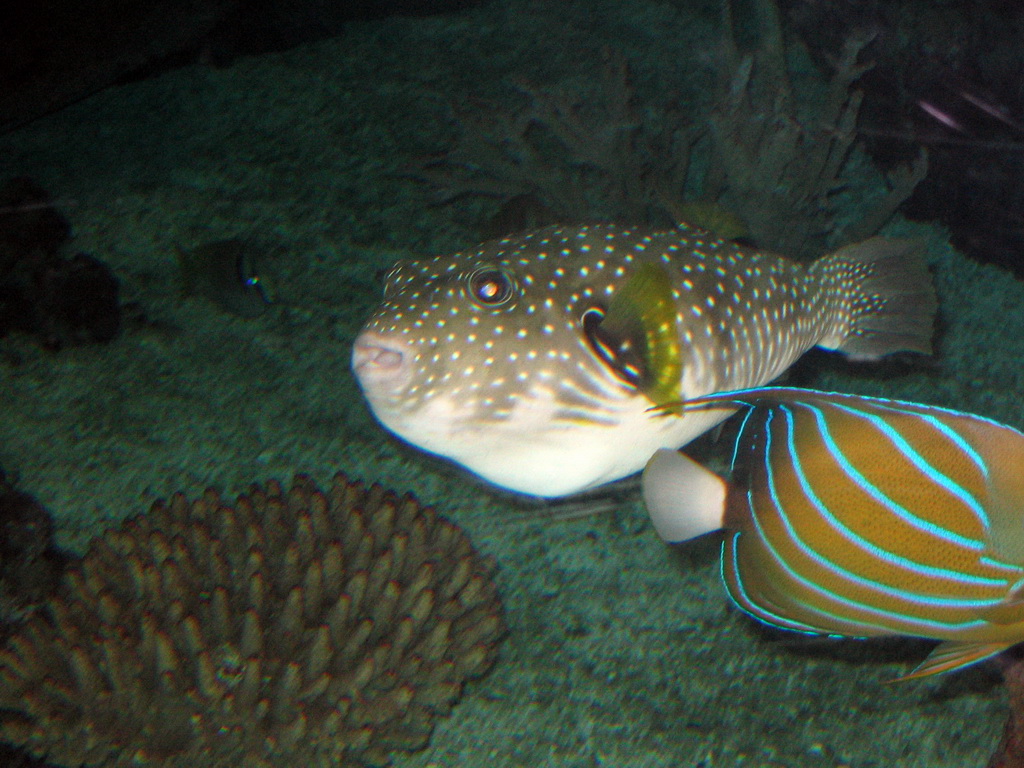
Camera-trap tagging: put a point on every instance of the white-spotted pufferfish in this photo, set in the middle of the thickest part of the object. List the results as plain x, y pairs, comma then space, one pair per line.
534, 360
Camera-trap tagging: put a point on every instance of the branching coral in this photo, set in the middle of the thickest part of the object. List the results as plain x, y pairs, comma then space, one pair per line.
582, 156
779, 172
292, 628
771, 157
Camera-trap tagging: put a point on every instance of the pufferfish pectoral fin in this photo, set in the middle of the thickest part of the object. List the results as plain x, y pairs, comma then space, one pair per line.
683, 498
637, 338
952, 655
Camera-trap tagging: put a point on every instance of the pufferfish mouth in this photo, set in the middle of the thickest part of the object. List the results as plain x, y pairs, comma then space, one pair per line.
381, 362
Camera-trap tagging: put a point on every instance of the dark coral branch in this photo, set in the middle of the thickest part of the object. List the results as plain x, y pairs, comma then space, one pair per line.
1010, 752
594, 153
582, 156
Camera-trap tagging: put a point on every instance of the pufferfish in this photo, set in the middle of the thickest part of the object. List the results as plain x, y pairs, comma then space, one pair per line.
534, 360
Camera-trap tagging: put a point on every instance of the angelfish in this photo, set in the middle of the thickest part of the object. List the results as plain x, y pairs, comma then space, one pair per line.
533, 360
861, 517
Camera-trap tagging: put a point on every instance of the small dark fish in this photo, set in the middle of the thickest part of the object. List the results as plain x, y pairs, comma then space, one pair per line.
861, 517
224, 272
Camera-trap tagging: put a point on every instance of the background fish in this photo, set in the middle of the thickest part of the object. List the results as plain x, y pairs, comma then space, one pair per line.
224, 272
862, 517
533, 360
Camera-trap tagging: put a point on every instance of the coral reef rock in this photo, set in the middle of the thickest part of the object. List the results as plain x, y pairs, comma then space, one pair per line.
59, 300
30, 563
294, 628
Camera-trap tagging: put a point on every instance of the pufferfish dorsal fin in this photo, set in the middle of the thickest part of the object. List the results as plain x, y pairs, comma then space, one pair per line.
637, 337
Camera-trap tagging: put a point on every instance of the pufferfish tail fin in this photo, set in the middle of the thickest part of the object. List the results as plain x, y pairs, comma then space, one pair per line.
886, 300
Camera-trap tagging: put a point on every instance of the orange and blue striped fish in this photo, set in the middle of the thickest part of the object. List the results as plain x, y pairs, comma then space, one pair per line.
857, 516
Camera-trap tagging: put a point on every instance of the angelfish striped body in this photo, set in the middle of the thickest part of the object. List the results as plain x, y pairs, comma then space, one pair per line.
864, 517
533, 360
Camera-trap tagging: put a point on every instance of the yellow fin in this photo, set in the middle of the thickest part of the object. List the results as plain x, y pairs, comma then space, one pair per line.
642, 314
952, 655
1002, 450
1009, 610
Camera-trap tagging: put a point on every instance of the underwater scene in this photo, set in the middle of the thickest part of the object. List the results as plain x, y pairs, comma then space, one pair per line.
346, 353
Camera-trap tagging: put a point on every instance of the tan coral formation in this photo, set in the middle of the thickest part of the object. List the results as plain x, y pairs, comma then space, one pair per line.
293, 628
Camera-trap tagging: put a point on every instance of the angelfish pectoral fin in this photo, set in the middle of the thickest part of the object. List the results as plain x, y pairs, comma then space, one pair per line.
952, 655
1009, 610
683, 498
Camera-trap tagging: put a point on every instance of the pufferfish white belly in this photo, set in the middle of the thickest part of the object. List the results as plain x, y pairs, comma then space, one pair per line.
556, 361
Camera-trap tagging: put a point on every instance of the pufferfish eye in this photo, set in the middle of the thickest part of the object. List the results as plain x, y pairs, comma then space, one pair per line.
490, 287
